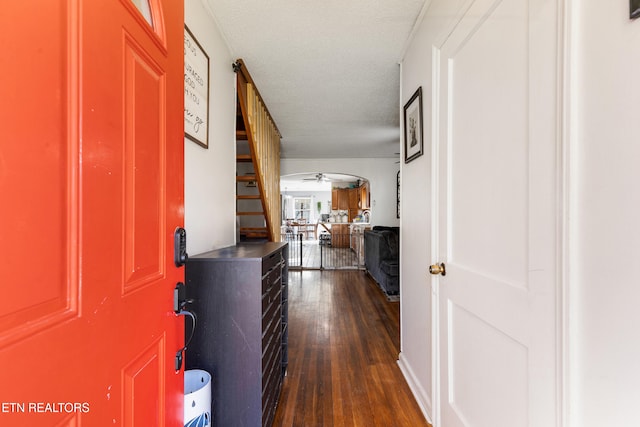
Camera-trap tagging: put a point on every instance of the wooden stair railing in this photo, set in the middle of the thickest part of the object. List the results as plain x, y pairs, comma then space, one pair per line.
258, 129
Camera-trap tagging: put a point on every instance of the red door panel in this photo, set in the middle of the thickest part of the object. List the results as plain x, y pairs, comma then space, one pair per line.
36, 145
91, 174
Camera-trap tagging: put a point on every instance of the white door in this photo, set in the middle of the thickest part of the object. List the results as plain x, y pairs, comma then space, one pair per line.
497, 215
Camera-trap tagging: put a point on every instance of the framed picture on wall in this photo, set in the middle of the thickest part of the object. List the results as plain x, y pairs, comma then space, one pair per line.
634, 9
413, 141
196, 91
398, 195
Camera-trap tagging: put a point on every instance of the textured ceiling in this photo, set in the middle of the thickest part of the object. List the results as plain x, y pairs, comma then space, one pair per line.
327, 70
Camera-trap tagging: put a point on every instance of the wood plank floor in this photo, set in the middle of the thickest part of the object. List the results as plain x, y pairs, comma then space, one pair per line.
344, 342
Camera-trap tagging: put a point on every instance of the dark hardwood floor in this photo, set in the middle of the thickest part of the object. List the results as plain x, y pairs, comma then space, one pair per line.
344, 342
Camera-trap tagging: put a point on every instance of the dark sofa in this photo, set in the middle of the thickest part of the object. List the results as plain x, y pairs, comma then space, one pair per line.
382, 257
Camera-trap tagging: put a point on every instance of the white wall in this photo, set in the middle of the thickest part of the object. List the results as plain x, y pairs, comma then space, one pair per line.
416, 196
604, 291
381, 174
415, 237
210, 173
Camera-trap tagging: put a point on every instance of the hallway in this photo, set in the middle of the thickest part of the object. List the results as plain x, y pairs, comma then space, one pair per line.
343, 346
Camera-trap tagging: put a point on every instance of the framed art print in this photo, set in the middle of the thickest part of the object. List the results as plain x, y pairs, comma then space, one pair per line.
196, 91
634, 9
413, 134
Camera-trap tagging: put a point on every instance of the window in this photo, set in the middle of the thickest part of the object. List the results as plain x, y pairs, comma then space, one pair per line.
144, 8
302, 208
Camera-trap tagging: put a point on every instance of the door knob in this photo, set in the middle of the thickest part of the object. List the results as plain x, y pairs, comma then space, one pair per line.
436, 269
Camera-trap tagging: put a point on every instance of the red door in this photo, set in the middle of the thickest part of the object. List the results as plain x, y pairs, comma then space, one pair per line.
91, 179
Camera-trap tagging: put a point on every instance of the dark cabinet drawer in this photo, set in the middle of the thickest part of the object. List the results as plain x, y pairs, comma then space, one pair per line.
272, 293
271, 261
273, 277
272, 312
270, 365
271, 389
270, 326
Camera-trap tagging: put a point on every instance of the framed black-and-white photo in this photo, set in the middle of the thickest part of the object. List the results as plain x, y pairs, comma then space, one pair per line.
413, 141
398, 195
634, 9
196, 91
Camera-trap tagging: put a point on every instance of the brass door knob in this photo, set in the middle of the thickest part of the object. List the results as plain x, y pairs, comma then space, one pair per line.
436, 269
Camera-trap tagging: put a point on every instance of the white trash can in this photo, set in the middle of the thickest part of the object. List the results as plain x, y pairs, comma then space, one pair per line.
197, 398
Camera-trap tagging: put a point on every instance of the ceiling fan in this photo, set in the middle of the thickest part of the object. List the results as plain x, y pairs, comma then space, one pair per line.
320, 177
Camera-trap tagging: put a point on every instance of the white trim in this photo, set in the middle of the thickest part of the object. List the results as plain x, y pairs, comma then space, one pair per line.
435, 239
400, 157
421, 396
568, 140
416, 25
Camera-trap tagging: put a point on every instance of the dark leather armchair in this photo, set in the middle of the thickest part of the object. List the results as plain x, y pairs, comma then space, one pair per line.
382, 257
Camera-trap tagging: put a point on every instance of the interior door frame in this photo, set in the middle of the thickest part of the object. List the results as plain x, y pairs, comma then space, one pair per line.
567, 193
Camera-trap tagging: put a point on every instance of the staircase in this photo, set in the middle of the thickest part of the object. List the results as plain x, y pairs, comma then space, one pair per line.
257, 164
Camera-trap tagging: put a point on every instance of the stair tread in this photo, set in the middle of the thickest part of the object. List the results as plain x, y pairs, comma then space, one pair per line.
254, 233
245, 178
249, 213
248, 196
243, 158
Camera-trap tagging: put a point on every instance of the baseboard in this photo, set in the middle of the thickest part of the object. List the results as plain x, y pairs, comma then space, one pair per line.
418, 391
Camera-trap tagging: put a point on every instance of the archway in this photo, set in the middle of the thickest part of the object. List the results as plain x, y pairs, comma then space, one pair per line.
324, 215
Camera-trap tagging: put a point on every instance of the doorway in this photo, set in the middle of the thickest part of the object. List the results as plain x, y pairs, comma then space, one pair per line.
324, 218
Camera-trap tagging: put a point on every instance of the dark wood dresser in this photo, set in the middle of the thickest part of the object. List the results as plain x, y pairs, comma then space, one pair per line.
240, 300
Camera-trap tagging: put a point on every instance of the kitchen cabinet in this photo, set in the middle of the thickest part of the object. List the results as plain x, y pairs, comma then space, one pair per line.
352, 200
340, 235
364, 196
354, 197
343, 199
